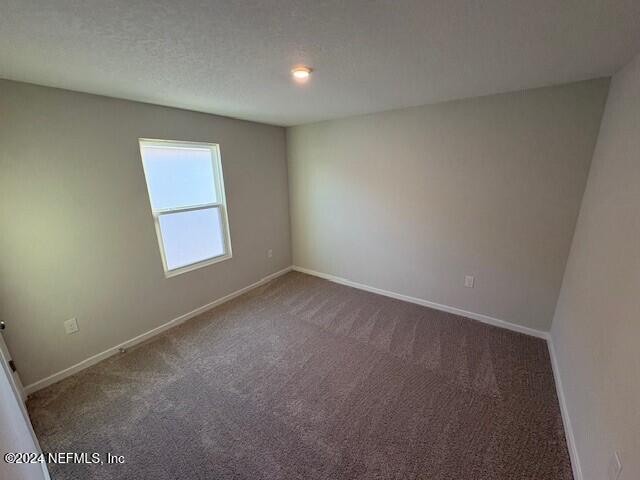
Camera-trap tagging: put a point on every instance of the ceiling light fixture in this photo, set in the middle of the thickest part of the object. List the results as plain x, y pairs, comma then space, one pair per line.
301, 74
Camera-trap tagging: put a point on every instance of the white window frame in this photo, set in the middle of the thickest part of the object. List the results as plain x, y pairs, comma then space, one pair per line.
221, 205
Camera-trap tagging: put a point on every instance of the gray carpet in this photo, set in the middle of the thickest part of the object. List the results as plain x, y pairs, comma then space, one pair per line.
306, 379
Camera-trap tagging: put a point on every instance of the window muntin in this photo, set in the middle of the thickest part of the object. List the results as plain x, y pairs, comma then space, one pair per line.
186, 192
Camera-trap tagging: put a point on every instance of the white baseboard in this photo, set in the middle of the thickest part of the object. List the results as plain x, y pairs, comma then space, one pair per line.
566, 421
56, 377
426, 303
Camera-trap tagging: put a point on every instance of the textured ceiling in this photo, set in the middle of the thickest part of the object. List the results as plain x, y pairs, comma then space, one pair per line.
233, 57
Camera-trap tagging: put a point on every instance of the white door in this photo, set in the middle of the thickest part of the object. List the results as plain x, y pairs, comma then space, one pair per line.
16, 433
6, 358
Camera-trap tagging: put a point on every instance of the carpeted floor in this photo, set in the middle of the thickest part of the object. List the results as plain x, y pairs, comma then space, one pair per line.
307, 379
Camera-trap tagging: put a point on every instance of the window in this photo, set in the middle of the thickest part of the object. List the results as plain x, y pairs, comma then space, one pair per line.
186, 192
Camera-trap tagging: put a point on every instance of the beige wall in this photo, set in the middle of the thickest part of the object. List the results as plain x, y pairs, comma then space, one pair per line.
412, 200
596, 328
76, 234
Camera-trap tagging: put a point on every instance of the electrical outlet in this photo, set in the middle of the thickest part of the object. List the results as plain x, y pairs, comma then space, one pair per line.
269, 253
615, 467
469, 281
71, 326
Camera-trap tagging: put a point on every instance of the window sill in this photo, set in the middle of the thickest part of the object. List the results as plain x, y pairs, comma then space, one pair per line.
196, 266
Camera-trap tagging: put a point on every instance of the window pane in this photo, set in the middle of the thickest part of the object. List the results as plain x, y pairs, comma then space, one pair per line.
191, 237
179, 177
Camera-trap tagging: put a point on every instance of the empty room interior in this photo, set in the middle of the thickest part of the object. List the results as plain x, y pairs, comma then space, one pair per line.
320, 240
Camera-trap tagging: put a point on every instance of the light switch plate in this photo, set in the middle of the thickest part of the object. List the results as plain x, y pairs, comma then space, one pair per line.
71, 326
469, 281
